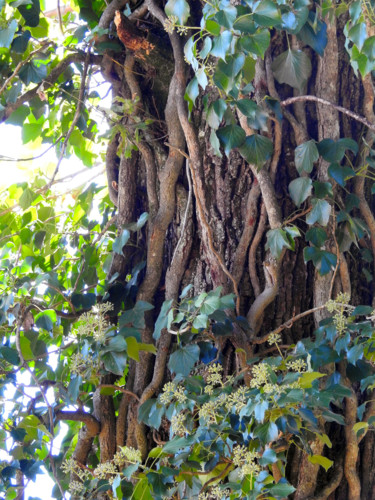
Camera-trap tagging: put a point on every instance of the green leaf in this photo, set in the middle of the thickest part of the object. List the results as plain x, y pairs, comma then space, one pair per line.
215, 113
255, 44
355, 353
26, 199
281, 489
46, 319
183, 360
334, 151
300, 190
358, 35
306, 379
360, 426
340, 174
277, 239
316, 235
320, 212
213, 27
323, 260
256, 149
305, 155
266, 432
226, 16
7, 34
30, 12
231, 136
292, 67
162, 320
121, 241
267, 14
322, 189
314, 33
10, 355
325, 462
221, 44
177, 443
115, 362
191, 93
33, 72
115, 344
179, 8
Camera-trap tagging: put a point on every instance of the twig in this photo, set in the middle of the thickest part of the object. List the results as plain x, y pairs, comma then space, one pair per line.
104, 230
297, 216
7, 158
337, 257
54, 473
319, 100
75, 118
118, 388
21, 64
287, 324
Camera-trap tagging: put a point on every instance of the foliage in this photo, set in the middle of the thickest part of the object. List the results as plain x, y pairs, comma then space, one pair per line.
73, 325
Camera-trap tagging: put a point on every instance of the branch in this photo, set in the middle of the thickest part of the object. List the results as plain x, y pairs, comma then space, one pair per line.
92, 424
50, 80
319, 100
118, 388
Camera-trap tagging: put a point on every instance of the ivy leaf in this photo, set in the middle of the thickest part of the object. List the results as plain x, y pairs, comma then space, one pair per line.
255, 44
358, 35
314, 33
267, 432
121, 241
179, 8
292, 67
277, 239
281, 489
324, 261
21, 42
10, 355
215, 144
226, 15
300, 189
7, 34
221, 44
340, 174
191, 93
231, 136
322, 189
320, 212
32, 72
256, 149
30, 11
183, 360
267, 14
305, 155
355, 353
325, 462
115, 362
215, 113
334, 151
316, 235
162, 320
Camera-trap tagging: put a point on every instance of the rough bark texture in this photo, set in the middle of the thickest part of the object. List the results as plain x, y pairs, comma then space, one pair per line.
208, 218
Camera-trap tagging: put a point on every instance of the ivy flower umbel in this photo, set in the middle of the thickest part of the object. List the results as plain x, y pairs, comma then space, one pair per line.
215, 376
237, 399
172, 391
260, 375
245, 460
106, 470
299, 365
340, 307
178, 424
94, 323
127, 454
274, 338
170, 24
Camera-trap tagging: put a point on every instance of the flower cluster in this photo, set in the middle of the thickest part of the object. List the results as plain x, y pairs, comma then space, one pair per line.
80, 365
214, 376
106, 469
172, 391
245, 460
71, 466
274, 338
170, 24
215, 493
237, 399
260, 375
340, 306
94, 323
178, 424
127, 454
298, 365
